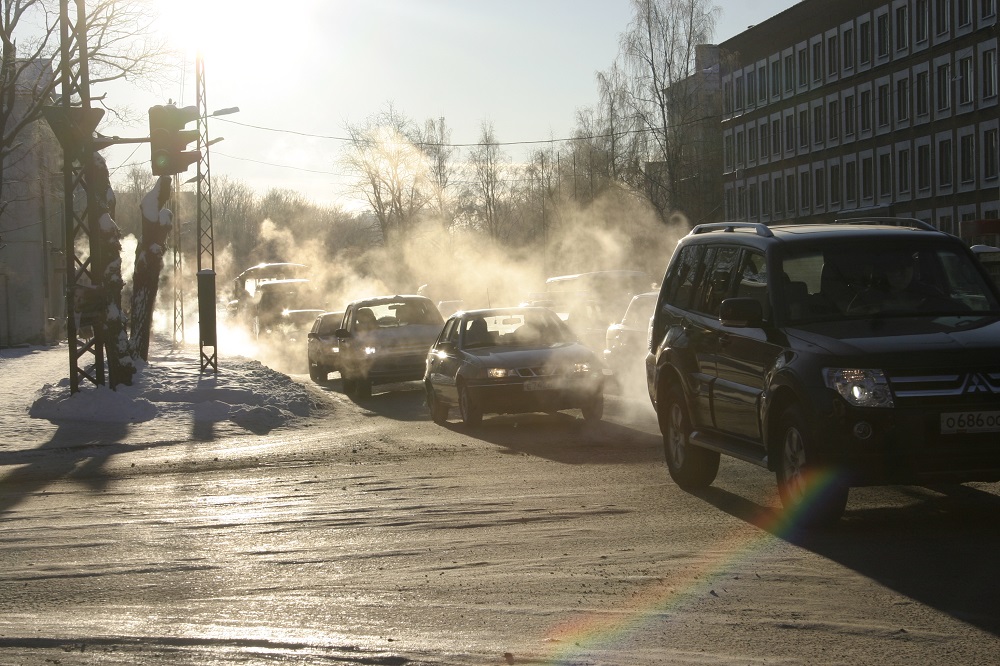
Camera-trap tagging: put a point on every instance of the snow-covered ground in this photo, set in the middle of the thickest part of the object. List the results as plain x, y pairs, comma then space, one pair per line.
169, 392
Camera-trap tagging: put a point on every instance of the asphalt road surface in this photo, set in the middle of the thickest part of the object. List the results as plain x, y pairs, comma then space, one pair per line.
369, 535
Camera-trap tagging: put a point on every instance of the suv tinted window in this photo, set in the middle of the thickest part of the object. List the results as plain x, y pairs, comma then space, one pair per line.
753, 280
681, 281
718, 281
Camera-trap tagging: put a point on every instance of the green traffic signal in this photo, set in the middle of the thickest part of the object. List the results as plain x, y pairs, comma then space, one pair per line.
168, 140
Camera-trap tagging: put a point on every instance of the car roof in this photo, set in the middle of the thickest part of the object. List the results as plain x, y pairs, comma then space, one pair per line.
493, 312
380, 300
762, 236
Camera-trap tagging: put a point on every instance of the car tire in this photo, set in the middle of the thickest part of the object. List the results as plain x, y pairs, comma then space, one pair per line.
593, 408
317, 374
439, 410
691, 467
810, 493
472, 412
362, 388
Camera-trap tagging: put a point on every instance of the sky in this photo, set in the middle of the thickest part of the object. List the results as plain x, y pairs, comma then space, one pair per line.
300, 76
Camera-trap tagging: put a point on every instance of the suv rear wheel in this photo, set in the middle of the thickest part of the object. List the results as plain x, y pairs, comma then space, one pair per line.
691, 467
809, 491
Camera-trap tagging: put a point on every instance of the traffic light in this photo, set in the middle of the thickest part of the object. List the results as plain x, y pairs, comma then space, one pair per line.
168, 139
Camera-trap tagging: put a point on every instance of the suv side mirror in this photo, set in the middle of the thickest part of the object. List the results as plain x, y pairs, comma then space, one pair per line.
741, 313
342, 333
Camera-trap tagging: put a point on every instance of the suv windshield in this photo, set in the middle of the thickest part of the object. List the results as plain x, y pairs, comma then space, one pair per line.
860, 280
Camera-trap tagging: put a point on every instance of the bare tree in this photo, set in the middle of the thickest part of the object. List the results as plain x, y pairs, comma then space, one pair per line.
130, 190
436, 145
120, 46
490, 168
658, 51
235, 218
392, 171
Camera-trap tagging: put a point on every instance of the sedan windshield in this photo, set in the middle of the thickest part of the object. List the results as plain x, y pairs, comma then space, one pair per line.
514, 328
849, 281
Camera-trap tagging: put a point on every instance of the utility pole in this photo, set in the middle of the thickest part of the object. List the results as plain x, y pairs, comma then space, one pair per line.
206, 241
75, 126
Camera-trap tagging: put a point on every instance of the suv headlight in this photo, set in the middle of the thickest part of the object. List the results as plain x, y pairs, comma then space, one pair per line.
861, 388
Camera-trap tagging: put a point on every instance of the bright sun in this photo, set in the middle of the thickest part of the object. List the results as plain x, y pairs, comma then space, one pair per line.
213, 26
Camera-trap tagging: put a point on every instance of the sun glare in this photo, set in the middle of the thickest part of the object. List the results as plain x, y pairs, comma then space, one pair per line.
215, 27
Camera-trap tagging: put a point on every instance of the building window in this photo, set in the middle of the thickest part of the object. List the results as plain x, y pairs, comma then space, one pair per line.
920, 20
882, 35
966, 82
885, 175
804, 185
990, 73
883, 105
903, 170
789, 132
866, 110
990, 158
776, 136
865, 38
834, 184
741, 150
789, 73
752, 143
902, 100
740, 93
923, 167
765, 198
944, 163
849, 48
817, 64
989, 8
775, 78
832, 54
943, 77
803, 67
851, 181
850, 115
727, 152
765, 139
902, 28
803, 128
819, 177
779, 195
819, 124
754, 207
762, 84
867, 178
833, 119
967, 164
790, 193
964, 13
941, 10
751, 89
923, 93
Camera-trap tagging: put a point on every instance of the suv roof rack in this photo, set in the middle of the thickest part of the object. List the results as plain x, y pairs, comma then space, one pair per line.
893, 221
760, 229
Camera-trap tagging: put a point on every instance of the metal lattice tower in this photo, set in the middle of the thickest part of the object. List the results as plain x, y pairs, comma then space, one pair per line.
206, 242
178, 276
84, 273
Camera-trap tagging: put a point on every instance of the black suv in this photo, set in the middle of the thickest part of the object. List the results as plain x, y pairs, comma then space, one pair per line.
835, 355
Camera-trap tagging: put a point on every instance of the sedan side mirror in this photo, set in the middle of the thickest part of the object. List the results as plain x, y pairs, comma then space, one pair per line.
741, 313
312, 336
446, 347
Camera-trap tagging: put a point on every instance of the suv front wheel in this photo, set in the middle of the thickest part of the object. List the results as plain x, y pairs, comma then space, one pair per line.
691, 467
812, 493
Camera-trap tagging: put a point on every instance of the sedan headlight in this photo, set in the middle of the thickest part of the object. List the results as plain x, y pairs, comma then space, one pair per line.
582, 367
370, 350
500, 373
861, 388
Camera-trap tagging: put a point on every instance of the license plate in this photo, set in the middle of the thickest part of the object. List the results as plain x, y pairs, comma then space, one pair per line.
538, 385
960, 422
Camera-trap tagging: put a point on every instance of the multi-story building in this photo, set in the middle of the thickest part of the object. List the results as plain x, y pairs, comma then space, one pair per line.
32, 236
835, 108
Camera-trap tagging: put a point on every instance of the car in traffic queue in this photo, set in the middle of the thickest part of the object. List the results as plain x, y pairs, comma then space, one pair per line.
627, 341
856, 353
384, 340
509, 361
322, 346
